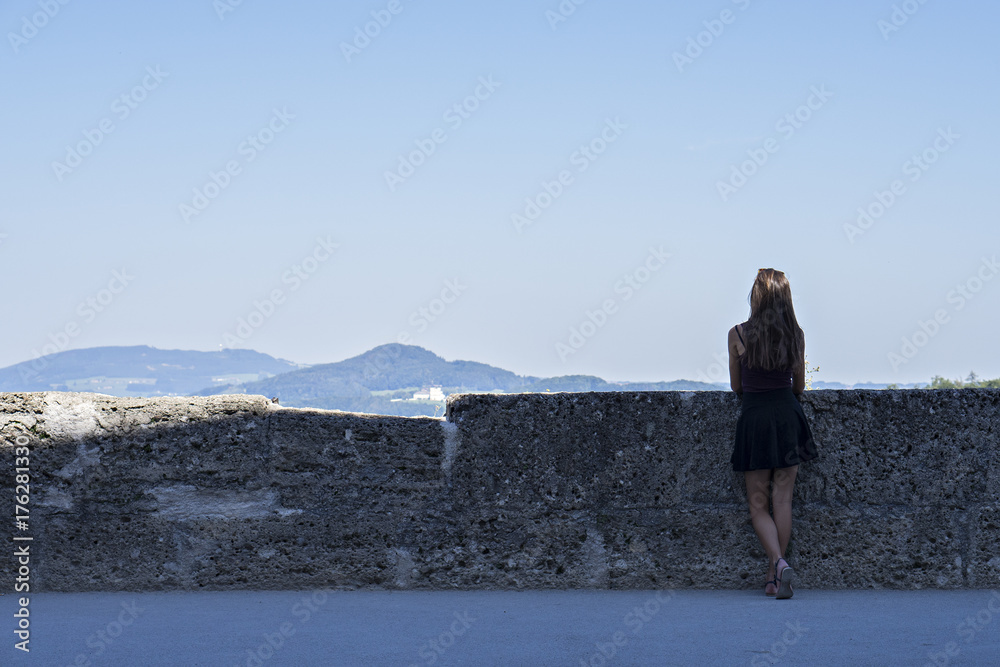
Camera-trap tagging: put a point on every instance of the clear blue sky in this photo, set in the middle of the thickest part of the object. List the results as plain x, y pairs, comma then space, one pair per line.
309, 129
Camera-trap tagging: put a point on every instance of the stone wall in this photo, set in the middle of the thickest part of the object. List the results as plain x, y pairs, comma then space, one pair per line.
572, 490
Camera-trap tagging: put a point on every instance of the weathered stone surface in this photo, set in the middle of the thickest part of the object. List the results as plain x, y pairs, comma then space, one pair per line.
605, 490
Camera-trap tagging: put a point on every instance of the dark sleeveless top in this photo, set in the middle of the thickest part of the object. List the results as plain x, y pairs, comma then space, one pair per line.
758, 379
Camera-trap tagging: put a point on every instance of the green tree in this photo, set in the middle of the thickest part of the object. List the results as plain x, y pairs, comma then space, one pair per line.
973, 381
938, 382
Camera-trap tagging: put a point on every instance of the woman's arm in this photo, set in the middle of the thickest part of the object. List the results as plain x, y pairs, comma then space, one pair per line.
799, 374
735, 376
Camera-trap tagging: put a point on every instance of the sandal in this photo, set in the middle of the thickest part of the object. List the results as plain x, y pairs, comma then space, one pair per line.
771, 588
784, 576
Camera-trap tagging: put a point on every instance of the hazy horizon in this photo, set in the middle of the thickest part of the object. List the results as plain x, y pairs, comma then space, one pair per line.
814, 376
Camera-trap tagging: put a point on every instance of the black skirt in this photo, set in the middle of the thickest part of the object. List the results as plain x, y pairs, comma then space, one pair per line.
772, 432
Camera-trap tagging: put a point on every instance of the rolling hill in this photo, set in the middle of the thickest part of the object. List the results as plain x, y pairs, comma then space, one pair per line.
139, 370
370, 381
381, 380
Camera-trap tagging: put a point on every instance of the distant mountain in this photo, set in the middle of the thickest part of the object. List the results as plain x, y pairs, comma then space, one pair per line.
387, 369
864, 385
371, 381
592, 383
380, 381
140, 370
819, 384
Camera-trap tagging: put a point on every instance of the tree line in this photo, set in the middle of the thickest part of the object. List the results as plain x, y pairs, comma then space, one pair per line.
971, 382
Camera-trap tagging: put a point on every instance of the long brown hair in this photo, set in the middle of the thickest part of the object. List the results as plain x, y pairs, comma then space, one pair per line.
774, 339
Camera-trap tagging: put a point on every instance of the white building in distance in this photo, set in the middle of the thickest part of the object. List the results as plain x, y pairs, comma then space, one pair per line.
429, 394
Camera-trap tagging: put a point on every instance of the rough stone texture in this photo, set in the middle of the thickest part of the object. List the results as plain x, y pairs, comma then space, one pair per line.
574, 490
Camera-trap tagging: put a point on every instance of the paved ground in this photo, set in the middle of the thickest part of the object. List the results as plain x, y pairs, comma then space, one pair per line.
536, 628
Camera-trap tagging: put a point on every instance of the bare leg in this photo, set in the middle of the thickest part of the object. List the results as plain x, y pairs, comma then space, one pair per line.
758, 496
781, 499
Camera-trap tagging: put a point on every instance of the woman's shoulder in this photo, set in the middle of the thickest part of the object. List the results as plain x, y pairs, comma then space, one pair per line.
736, 339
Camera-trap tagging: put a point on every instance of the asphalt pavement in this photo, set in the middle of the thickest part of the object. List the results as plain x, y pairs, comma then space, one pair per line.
536, 628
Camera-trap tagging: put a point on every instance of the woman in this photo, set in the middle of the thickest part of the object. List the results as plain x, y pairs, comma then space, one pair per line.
767, 369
